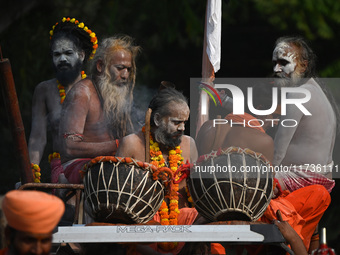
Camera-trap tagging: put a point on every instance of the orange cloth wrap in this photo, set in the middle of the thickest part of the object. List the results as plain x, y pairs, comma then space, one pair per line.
32, 211
302, 209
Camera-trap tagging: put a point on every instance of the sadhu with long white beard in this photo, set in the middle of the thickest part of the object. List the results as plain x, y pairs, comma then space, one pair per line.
96, 112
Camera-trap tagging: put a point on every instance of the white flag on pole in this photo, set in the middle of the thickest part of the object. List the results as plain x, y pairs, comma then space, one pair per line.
213, 32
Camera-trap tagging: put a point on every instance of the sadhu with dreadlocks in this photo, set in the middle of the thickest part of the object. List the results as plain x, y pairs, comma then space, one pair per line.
72, 43
96, 112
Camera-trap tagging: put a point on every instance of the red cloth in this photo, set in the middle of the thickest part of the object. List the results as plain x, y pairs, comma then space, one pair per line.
302, 208
299, 178
72, 170
4, 251
56, 169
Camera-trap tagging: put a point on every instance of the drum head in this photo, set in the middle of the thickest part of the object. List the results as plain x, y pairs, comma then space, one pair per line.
231, 186
122, 193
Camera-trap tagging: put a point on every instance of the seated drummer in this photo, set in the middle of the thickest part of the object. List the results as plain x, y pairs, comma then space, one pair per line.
303, 208
170, 112
96, 112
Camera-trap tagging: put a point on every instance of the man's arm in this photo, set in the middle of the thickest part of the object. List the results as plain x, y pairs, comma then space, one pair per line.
75, 114
285, 133
193, 151
37, 140
132, 146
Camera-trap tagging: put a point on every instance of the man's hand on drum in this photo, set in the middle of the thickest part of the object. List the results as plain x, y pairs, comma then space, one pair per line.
291, 237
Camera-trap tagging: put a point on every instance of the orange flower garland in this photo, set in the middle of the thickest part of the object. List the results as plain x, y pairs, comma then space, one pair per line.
168, 214
36, 172
62, 91
81, 25
53, 156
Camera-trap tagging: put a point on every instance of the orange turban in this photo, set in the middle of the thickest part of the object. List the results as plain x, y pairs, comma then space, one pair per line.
32, 211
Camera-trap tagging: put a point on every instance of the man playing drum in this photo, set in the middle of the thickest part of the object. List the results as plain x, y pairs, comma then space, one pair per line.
71, 46
310, 143
170, 112
303, 208
96, 112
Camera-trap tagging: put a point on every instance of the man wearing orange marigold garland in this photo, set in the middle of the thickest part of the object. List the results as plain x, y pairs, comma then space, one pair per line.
72, 44
96, 112
171, 148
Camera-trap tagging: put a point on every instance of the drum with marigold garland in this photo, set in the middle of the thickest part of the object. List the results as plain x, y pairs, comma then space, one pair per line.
231, 184
123, 190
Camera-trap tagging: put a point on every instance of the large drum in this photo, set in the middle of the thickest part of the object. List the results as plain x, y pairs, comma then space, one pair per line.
122, 190
231, 184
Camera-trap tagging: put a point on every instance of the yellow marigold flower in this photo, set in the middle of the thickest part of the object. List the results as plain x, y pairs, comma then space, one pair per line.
36, 167
37, 174
160, 156
36, 180
61, 91
86, 28
73, 20
51, 32
177, 211
172, 152
173, 168
174, 201
93, 35
64, 19
81, 25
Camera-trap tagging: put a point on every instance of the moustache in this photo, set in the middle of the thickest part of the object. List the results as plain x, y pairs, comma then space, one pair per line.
178, 133
61, 66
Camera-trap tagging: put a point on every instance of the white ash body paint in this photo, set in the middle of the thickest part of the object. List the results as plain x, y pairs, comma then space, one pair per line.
65, 52
284, 59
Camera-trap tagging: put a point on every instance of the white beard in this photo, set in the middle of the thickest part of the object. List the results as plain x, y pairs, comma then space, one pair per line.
116, 99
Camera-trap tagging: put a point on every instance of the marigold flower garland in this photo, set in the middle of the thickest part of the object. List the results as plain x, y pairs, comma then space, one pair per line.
81, 25
36, 172
53, 156
62, 91
168, 214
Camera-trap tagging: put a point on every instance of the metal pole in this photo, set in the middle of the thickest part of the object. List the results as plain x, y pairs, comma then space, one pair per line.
15, 120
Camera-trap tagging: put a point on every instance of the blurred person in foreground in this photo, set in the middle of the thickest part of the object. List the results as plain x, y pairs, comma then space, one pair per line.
31, 217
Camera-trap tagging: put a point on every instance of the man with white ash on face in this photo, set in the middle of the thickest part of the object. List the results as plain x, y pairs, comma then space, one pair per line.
311, 141
96, 112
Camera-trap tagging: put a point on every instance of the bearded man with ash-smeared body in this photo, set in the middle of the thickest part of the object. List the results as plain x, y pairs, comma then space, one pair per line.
311, 141
96, 112
71, 47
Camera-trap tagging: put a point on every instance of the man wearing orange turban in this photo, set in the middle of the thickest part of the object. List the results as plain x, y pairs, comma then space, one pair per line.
31, 217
